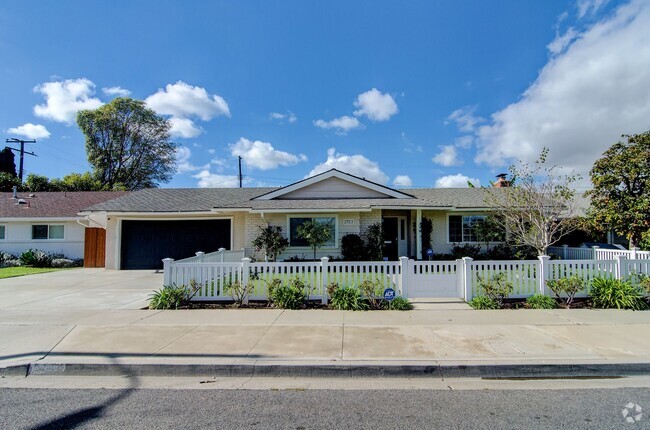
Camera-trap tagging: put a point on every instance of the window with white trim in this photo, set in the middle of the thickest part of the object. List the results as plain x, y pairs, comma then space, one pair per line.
295, 222
47, 231
464, 228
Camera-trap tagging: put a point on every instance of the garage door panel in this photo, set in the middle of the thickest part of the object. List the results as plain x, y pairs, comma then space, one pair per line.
146, 243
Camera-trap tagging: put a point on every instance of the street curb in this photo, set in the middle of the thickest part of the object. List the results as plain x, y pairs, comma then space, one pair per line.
344, 370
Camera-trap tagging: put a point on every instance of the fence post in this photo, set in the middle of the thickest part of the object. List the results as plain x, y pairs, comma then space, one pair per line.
621, 267
245, 271
634, 251
222, 252
565, 251
595, 248
459, 278
324, 262
404, 273
167, 271
543, 272
467, 279
200, 255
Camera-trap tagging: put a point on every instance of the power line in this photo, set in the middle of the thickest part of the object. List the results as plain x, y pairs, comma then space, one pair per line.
22, 153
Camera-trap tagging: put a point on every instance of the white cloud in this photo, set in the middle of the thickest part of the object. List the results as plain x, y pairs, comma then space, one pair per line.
262, 155
116, 91
211, 151
357, 165
465, 119
464, 142
589, 6
186, 101
456, 181
560, 43
447, 156
289, 117
402, 181
63, 99
30, 131
582, 100
183, 127
213, 180
342, 124
183, 165
375, 105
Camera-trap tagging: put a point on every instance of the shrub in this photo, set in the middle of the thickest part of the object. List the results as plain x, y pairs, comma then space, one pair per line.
8, 260
644, 283
496, 288
62, 263
526, 253
237, 290
373, 293
290, 296
501, 251
400, 304
483, 302
540, 301
352, 248
616, 293
348, 299
568, 286
466, 250
173, 297
270, 240
36, 258
374, 239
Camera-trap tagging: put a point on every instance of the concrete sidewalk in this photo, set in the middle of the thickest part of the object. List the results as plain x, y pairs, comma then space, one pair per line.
240, 339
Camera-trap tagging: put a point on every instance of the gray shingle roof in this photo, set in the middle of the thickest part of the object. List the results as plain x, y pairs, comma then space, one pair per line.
206, 199
52, 204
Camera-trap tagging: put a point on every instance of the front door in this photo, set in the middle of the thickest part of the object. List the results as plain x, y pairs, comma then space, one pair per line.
390, 227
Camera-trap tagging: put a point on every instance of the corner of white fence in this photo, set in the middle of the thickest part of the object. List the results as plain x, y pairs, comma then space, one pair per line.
245, 272
324, 262
167, 271
543, 273
622, 269
595, 248
634, 252
404, 275
467, 278
200, 255
222, 252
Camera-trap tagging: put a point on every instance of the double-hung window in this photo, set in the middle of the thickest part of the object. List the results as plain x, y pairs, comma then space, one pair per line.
295, 222
463, 228
47, 231
2, 231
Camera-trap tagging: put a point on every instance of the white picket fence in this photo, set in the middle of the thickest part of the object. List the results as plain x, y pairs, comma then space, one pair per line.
410, 279
596, 253
220, 256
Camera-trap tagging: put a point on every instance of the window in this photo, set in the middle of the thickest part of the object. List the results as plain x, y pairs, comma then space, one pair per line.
44, 231
464, 228
2, 232
294, 223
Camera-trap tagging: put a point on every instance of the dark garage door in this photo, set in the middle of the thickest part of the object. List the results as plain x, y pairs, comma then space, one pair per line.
146, 243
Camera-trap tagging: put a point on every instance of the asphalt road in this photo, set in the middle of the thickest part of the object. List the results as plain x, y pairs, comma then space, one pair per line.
320, 409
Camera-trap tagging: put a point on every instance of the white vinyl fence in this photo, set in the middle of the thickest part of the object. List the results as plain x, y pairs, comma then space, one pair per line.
410, 279
596, 253
219, 256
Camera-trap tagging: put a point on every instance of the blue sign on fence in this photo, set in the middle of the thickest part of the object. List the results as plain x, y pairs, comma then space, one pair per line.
429, 252
389, 294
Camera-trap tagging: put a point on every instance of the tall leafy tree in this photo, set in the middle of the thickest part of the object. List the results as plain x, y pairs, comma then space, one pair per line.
7, 162
128, 145
620, 197
539, 210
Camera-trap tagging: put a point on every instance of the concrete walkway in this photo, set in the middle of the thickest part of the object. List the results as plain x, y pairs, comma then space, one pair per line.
95, 317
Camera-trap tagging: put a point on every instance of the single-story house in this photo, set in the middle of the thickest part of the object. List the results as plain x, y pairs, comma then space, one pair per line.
49, 221
146, 226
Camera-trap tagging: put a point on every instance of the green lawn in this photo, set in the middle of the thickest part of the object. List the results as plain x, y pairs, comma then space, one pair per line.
11, 272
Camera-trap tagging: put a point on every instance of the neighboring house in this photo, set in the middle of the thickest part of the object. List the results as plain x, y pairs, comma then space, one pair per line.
47, 221
146, 226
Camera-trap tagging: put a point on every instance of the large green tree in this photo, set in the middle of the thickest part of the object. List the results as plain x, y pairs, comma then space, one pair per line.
620, 198
70, 182
128, 145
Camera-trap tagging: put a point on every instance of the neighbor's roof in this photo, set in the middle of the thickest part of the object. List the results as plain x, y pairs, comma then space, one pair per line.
52, 204
206, 199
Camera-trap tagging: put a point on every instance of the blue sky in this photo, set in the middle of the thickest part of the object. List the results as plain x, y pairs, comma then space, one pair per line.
418, 93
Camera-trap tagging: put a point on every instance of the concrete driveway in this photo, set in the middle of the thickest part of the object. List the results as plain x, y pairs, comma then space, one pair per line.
79, 289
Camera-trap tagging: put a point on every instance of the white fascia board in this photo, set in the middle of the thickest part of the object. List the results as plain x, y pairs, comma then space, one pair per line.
333, 174
40, 219
408, 208
307, 210
159, 214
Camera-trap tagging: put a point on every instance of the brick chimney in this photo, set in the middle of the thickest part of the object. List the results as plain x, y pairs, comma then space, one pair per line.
501, 181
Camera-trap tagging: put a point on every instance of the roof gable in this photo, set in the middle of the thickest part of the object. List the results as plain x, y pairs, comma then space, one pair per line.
334, 184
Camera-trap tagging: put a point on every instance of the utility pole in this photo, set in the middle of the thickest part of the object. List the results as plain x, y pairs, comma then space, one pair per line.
240, 175
22, 153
